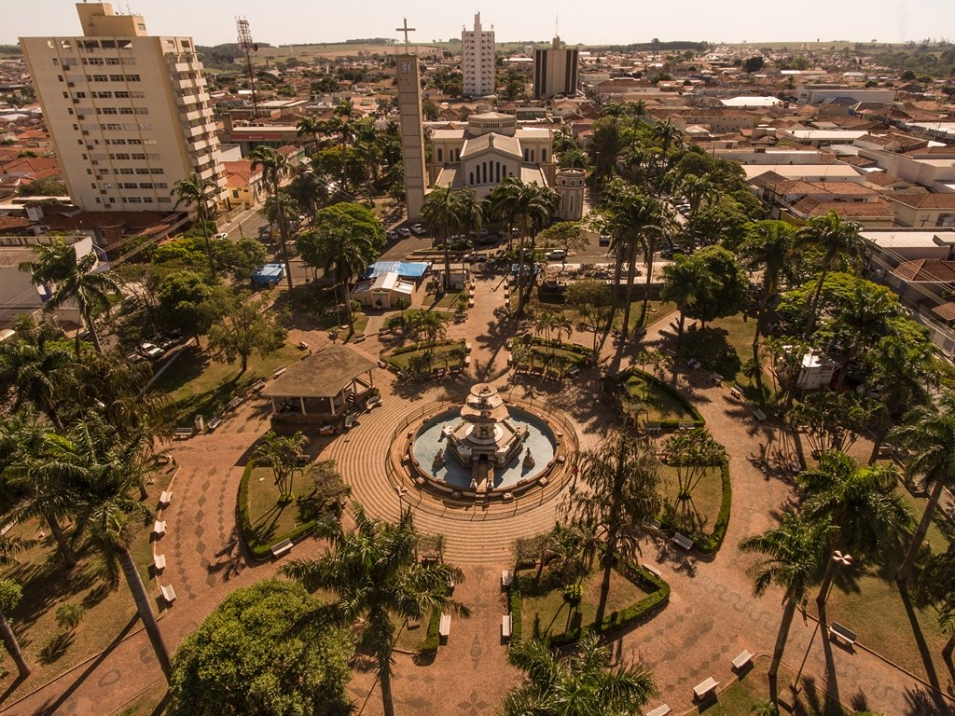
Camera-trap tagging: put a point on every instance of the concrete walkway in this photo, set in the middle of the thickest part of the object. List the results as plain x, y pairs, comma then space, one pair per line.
711, 616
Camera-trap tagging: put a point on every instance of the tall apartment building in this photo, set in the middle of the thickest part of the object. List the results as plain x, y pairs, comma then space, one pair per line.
128, 112
555, 71
477, 60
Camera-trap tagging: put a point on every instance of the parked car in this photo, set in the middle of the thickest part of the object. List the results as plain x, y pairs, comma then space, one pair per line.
604, 240
556, 255
392, 235
404, 233
418, 230
151, 351
221, 237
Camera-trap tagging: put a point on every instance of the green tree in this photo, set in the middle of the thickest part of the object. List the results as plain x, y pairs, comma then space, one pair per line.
593, 301
187, 302
74, 280
691, 452
793, 553
281, 453
927, 433
377, 578
586, 683
10, 595
834, 239
705, 286
442, 217
857, 504
38, 370
199, 194
246, 327
566, 235
622, 476
753, 64
936, 586
254, 654
274, 167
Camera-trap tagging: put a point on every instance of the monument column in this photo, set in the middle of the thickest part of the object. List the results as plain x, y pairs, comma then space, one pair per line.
412, 129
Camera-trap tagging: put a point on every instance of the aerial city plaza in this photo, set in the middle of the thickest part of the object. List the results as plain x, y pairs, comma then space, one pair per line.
368, 372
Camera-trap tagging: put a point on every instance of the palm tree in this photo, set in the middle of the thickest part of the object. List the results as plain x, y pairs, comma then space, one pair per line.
622, 474
441, 214
793, 554
342, 254
584, 684
73, 280
39, 371
682, 283
311, 126
635, 221
310, 192
281, 453
274, 167
374, 573
668, 134
198, 193
767, 247
858, 505
470, 212
835, 238
936, 585
928, 434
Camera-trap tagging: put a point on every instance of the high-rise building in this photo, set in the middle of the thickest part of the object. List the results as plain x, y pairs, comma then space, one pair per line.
555, 71
128, 112
477, 60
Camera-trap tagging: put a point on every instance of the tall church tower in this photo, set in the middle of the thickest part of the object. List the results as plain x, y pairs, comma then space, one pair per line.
412, 129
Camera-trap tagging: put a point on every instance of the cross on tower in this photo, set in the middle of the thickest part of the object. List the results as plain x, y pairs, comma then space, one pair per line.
405, 30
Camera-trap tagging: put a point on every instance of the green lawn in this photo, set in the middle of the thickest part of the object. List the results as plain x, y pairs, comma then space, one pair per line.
438, 355
722, 346
271, 522
545, 612
698, 514
663, 404
449, 300
197, 385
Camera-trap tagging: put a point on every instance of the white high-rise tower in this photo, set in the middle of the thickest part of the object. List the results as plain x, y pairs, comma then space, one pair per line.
477, 60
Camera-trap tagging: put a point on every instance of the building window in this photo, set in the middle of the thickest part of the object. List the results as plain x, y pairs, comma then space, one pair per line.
440, 156
543, 155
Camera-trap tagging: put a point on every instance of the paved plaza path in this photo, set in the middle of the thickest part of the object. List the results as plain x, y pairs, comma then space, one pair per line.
710, 618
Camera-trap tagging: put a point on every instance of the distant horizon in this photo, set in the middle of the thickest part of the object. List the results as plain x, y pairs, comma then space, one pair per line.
300, 22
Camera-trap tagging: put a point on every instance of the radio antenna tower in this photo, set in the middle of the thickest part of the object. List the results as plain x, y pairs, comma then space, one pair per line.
247, 46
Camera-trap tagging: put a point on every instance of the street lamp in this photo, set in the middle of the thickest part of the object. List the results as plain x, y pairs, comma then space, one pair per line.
842, 559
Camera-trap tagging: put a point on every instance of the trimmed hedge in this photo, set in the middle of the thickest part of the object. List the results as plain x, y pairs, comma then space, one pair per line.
420, 347
258, 550
709, 544
634, 613
620, 380
516, 608
432, 639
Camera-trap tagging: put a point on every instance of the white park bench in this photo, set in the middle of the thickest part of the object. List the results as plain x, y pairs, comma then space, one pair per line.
736, 393
159, 529
705, 689
744, 659
506, 578
660, 711
716, 378
682, 541
653, 570
159, 560
507, 623
165, 497
841, 632
759, 415
444, 626
168, 593
281, 548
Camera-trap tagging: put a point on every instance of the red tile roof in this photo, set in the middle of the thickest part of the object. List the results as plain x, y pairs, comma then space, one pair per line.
926, 270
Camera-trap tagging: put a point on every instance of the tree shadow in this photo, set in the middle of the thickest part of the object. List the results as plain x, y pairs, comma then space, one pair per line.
923, 647
56, 647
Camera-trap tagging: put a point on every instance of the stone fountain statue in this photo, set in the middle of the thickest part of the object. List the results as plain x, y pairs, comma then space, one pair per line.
485, 432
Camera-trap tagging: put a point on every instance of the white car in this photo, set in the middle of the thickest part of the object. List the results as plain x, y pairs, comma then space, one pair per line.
153, 352
221, 237
556, 255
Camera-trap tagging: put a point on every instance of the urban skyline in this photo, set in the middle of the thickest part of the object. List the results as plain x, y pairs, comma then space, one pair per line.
302, 22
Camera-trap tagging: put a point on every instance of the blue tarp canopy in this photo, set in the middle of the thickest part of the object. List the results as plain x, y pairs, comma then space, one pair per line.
268, 274
405, 269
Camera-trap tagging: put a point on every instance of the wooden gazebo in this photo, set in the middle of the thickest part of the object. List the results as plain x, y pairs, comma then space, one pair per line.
321, 389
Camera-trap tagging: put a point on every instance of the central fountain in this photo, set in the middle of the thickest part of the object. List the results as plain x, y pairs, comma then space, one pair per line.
484, 432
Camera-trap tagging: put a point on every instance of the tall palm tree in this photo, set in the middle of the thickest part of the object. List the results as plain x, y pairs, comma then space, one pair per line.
73, 281
310, 191
669, 135
199, 194
683, 283
793, 553
635, 221
835, 239
101, 469
767, 248
583, 684
374, 573
470, 212
857, 503
274, 167
39, 372
622, 474
441, 214
311, 126
928, 434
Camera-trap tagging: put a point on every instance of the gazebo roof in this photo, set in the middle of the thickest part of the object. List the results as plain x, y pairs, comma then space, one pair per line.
321, 375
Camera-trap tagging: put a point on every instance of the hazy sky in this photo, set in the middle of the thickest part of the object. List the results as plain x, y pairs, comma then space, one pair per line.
596, 22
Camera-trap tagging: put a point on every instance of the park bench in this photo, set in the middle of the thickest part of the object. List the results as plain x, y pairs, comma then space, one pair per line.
744, 659
159, 560
653, 428
382, 363
444, 627
214, 423
159, 528
165, 497
373, 401
302, 346
278, 371
759, 415
682, 541
506, 578
350, 420
716, 378
660, 710
705, 689
184, 433
507, 622
656, 524
841, 632
736, 393
687, 426
282, 547
168, 593
653, 570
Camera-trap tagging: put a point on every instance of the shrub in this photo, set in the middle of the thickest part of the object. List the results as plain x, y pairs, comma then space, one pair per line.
709, 544
516, 608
